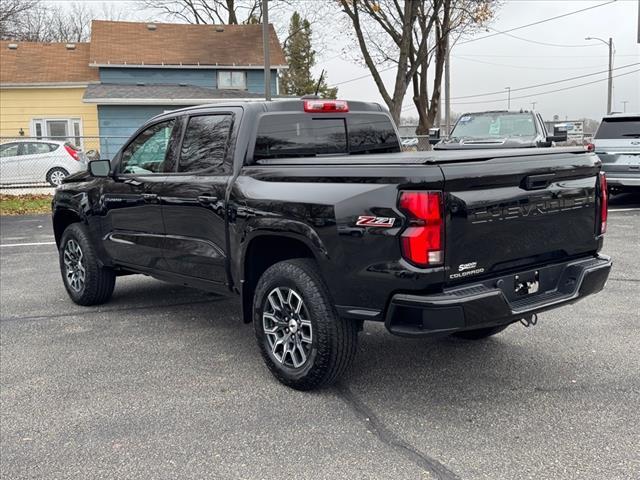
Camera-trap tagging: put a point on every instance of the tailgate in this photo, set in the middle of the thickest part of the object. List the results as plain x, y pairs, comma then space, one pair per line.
511, 213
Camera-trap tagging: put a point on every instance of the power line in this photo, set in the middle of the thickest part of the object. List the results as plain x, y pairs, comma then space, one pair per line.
489, 36
524, 67
537, 22
406, 107
546, 44
550, 91
570, 55
546, 83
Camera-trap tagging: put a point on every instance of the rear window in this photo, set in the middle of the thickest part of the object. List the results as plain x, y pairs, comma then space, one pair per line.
305, 135
494, 124
619, 128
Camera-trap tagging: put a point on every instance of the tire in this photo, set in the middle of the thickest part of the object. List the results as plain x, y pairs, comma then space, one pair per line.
87, 283
56, 175
327, 341
480, 333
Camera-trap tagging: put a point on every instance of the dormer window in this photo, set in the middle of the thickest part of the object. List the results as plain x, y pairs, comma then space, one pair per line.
232, 80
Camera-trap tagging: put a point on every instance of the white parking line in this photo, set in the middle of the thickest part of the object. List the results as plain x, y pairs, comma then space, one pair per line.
27, 244
612, 210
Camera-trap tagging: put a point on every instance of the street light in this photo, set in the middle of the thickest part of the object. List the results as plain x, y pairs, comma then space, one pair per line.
610, 81
508, 89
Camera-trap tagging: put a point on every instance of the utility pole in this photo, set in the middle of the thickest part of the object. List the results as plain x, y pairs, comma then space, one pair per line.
610, 79
447, 89
508, 89
533, 105
624, 105
265, 42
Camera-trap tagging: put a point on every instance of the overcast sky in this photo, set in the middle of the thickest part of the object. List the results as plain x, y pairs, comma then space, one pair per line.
489, 65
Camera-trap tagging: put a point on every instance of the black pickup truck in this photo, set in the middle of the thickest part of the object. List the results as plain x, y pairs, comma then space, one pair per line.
311, 214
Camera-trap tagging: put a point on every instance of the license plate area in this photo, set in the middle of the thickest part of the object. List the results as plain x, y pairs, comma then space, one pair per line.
527, 283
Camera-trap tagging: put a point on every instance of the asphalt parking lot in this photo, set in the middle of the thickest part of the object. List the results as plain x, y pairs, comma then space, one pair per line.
166, 382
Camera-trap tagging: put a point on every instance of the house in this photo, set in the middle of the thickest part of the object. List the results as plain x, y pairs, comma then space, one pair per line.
147, 68
41, 91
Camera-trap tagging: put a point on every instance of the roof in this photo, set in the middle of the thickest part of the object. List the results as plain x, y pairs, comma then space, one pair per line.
151, 44
106, 93
42, 63
622, 115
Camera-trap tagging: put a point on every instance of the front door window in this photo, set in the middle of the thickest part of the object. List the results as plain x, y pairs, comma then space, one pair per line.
149, 151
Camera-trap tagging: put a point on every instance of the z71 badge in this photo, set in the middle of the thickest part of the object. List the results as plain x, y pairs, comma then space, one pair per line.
369, 221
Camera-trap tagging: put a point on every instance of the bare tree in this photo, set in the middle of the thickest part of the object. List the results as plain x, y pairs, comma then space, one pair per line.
11, 14
246, 12
46, 22
410, 36
231, 12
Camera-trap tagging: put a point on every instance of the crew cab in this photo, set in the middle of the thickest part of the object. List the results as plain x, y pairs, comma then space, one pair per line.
310, 213
499, 129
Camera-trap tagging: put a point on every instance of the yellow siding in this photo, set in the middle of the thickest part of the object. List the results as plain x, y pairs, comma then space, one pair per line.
18, 106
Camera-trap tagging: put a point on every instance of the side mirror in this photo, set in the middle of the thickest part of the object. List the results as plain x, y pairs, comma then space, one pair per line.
434, 135
99, 168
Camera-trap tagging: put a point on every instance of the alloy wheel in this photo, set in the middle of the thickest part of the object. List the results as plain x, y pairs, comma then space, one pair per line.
57, 177
287, 327
73, 264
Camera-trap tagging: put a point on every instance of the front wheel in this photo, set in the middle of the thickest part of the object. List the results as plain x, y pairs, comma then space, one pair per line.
87, 282
303, 341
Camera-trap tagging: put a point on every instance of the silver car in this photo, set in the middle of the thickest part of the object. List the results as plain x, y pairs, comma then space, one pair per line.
617, 143
24, 162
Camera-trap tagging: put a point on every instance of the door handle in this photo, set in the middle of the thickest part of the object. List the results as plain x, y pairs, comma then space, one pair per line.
207, 199
538, 182
150, 197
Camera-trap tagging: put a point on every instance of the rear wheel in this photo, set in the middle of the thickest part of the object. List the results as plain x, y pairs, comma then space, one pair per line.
87, 283
303, 341
55, 176
480, 333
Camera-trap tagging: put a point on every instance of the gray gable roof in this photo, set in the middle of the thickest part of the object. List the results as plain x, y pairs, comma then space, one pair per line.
119, 94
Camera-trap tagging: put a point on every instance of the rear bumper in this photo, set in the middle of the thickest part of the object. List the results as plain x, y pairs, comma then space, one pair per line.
490, 302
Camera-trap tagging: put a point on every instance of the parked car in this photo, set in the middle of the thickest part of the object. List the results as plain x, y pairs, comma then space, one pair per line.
498, 129
39, 161
617, 143
309, 212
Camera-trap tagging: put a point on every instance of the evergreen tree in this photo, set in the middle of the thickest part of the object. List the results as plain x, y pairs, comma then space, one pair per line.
297, 79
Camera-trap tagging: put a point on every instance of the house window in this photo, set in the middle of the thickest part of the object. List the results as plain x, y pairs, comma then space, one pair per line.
65, 129
235, 80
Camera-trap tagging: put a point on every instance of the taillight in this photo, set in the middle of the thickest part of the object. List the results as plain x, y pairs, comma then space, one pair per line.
604, 203
72, 152
422, 241
321, 106
590, 147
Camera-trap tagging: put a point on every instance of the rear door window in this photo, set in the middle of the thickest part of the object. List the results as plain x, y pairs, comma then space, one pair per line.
619, 128
37, 148
205, 142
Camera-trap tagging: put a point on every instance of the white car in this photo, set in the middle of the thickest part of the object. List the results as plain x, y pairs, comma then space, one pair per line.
38, 161
617, 143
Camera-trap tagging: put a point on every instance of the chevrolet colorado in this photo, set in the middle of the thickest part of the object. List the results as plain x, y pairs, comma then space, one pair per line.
308, 211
